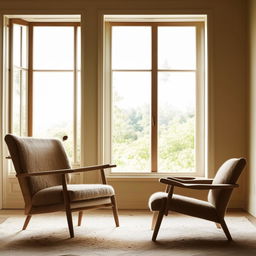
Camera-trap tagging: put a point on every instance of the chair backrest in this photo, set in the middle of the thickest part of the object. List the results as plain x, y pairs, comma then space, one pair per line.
228, 173
32, 155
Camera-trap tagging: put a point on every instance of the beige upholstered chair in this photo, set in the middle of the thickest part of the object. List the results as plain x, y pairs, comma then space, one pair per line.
43, 170
220, 189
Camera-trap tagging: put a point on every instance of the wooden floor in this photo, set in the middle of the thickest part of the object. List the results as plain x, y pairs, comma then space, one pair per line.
180, 235
4, 214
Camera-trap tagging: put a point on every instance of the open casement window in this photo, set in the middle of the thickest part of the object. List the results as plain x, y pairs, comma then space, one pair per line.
157, 97
44, 91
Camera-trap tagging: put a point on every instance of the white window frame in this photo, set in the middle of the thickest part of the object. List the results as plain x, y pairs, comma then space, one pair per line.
201, 93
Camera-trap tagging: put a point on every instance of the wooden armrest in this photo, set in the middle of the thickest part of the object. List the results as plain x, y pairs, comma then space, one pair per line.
198, 186
66, 171
182, 177
172, 182
191, 180
211, 186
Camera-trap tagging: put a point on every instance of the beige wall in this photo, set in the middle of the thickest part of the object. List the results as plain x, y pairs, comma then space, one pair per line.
227, 90
251, 179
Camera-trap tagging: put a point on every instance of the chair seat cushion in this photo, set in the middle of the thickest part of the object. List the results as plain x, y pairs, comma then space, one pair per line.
77, 192
185, 205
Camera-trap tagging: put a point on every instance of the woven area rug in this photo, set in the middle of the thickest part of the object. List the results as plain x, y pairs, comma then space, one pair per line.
47, 234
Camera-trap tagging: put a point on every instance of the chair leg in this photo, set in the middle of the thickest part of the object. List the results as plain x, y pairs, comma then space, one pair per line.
114, 209
80, 216
70, 222
26, 222
225, 229
154, 218
158, 224
67, 205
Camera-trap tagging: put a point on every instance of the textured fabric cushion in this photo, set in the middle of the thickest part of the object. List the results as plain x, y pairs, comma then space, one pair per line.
185, 205
34, 154
77, 192
228, 173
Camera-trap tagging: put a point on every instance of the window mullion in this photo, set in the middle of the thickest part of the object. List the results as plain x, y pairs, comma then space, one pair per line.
30, 80
154, 101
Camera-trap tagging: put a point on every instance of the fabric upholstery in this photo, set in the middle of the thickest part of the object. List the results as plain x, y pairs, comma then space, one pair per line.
218, 199
32, 155
73, 205
77, 192
183, 204
50, 193
228, 173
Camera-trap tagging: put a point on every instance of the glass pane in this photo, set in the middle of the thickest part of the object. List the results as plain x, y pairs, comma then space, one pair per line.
24, 92
176, 47
24, 47
53, 48
16, 102
131, 113
131, 47
78, 48
78, 142
53, 106
176, 121
16, 45
78, 139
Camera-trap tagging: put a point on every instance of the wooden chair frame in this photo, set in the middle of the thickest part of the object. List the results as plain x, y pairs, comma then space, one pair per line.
67, 203
189, 183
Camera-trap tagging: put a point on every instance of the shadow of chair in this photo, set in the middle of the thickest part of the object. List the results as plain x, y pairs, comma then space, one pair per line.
220, 189
43, 171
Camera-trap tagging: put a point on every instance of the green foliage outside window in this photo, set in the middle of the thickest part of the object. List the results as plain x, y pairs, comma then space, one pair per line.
131, 139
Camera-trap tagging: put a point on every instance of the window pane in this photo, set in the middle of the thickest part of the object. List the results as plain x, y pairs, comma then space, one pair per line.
16, 101
24, 112
19, 83
78, 132
16, 45
131, 113
131, 47
176, 121
53, 48
53, 106
78, 48
176, 47
24, 46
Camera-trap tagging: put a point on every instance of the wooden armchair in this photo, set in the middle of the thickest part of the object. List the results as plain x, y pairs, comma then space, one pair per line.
220, 189
43, 171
